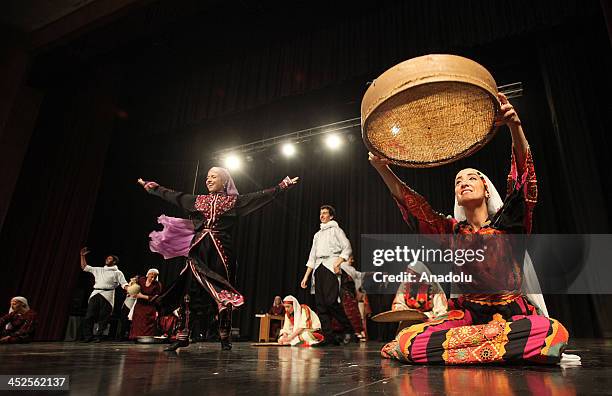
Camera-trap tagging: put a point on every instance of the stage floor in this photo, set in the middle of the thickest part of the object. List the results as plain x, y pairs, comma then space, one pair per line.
203, 369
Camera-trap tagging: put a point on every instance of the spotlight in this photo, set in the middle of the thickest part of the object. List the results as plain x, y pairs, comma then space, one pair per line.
288, 149
333, 141
232, 162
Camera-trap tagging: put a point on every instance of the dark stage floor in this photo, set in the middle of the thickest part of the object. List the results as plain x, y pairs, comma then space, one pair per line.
202, 369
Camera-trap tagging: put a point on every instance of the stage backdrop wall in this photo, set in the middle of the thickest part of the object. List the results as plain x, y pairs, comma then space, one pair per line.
168, 107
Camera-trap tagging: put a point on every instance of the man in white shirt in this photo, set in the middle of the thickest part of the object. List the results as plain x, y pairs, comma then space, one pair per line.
102, 298
330, 248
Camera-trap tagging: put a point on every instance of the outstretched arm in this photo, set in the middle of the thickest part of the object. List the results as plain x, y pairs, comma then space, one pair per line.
507, 115
177, 198
84, 252
412, 205
393, 182
248, 203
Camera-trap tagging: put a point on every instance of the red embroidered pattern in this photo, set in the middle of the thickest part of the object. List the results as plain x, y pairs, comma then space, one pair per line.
430, 221
227, 297
528, 182
212, 206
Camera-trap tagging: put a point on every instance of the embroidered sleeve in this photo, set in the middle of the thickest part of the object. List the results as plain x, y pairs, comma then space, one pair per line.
522, 178
417, 213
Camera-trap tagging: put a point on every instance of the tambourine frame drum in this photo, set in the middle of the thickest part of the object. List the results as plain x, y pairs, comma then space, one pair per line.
429, 111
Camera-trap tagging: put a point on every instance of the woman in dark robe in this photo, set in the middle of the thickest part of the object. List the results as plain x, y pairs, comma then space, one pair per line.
144, 312
206, 240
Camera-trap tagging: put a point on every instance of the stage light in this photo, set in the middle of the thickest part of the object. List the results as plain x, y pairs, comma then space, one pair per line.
333, 141
288, 149
232, 162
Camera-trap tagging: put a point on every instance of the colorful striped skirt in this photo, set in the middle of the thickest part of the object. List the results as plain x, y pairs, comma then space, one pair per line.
481, 331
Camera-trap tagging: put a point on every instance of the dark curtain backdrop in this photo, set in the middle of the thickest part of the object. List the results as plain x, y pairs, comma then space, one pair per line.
168, 104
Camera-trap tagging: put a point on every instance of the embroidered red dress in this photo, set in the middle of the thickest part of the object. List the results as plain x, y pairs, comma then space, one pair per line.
144, 318
483, 328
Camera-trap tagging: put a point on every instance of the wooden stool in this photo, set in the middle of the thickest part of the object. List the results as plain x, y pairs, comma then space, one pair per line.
264, 325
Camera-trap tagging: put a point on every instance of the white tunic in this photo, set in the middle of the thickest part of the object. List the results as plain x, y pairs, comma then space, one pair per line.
328, 244
107, 280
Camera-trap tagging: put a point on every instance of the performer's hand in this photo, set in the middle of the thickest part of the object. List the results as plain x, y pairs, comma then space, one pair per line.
4, 339
506, 114
377, 162
283, 340
288, 182
84, 251
304, 283
151, 185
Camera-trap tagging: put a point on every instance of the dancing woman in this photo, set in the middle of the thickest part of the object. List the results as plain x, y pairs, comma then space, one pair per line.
207, 241
509, 326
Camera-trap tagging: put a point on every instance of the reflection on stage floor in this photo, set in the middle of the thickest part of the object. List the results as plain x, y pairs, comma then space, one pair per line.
203, 369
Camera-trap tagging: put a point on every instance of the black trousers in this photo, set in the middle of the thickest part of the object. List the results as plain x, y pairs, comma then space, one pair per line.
327, 290
98, 311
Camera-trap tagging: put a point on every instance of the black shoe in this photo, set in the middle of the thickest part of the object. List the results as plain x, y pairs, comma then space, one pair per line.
226, 345
87, 339
176, 345
97, 340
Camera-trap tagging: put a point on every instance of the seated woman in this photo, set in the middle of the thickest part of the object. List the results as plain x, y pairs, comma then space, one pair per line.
19, 324
144, 312
277, 309
428, 298
507, 326
301, 325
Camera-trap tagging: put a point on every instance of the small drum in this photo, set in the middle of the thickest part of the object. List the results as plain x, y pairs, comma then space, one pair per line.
400, 316
429, 111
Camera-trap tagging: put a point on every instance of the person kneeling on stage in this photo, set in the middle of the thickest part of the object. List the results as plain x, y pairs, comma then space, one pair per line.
17, 327
428, 298
302, 325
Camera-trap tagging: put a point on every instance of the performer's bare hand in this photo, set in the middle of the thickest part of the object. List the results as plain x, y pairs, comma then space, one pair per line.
84, 251
150, 185
506, 114
376, 161
4, 339
283, 340
304, 283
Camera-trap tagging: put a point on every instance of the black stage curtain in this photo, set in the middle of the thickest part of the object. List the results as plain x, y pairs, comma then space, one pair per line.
183, 97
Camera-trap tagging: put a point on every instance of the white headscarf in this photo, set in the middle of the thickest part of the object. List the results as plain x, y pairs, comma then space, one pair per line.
297, 310
228, 183
153, 270
23, 300
531, 285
